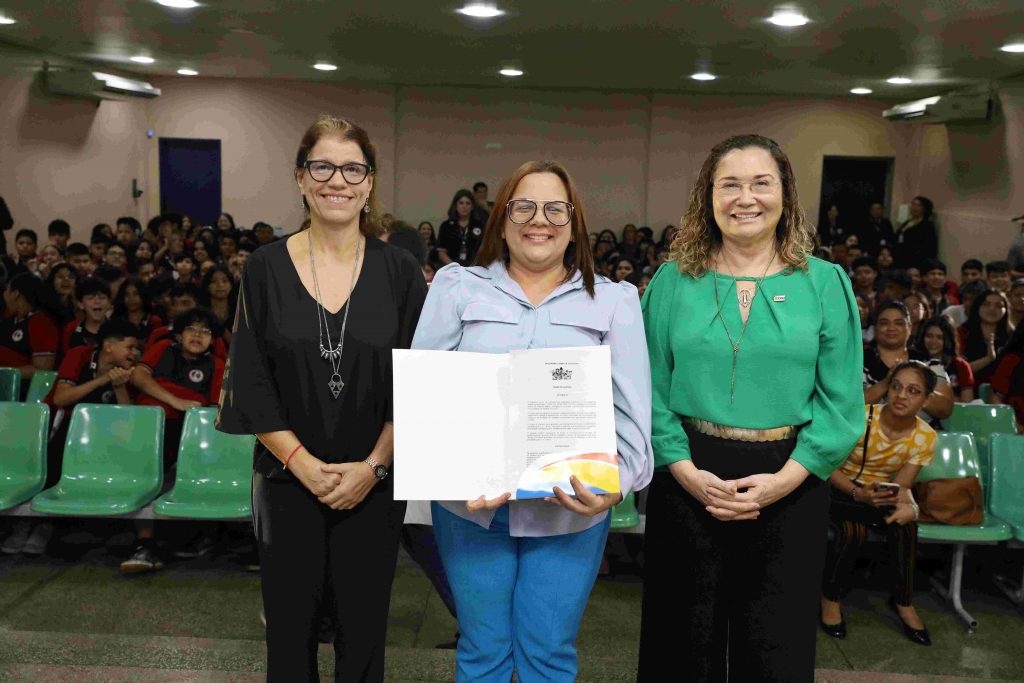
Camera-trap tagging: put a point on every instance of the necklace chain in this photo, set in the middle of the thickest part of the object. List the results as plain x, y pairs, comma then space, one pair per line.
330, 352
735, 344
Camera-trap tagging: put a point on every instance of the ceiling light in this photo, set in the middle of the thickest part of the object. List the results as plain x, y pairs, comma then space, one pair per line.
7, 21
179, 4
324, 66
187, 72
511, 72
142, 59
480, 10
899, 80
1013, 47
788, 17
703, 76
861, 91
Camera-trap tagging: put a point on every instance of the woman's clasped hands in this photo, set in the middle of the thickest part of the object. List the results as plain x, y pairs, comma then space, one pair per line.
729, 500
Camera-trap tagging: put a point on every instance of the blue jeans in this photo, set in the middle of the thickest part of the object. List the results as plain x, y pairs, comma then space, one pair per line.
519, 600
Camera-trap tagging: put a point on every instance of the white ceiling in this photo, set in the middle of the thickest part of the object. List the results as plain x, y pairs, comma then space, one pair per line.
563, 44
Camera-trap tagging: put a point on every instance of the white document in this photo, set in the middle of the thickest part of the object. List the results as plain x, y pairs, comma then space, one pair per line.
472, 424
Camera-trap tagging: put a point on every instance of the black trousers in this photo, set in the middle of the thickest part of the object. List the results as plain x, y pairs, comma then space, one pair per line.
310, 554
850, 522
732, 601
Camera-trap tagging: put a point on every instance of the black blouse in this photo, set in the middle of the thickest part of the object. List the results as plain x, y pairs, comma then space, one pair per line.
276, 379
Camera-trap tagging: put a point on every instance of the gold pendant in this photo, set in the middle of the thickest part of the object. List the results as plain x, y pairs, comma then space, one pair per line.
745, 299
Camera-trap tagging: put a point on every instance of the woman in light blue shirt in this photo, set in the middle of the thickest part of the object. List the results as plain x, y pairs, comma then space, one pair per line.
521, 571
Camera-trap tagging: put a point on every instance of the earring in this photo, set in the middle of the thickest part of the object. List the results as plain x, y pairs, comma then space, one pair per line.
366, 207
302, 202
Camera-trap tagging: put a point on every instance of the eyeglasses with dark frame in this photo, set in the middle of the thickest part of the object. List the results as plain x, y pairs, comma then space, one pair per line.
522, 211
322, 171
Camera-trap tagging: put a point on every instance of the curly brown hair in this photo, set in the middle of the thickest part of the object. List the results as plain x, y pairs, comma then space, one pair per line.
699, 236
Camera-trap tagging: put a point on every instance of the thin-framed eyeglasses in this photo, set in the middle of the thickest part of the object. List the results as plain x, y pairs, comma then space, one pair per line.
522, 211
734, 188
322, 171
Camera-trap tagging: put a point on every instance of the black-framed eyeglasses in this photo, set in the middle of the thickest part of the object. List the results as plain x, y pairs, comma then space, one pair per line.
521, 211
322, 171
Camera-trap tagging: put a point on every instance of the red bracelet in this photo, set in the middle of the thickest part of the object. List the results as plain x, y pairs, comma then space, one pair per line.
288, 459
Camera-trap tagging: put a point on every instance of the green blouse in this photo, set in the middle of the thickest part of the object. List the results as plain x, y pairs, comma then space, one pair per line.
800, 361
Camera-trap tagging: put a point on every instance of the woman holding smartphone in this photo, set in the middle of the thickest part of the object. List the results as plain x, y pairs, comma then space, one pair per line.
872, 489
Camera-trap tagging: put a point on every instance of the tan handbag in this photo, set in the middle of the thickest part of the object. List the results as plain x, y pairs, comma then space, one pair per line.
950, 501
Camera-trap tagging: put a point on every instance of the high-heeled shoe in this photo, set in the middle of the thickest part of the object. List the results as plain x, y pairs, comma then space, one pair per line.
834, 630
914, 635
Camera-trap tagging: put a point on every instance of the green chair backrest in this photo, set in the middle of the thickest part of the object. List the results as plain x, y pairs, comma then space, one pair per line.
114, 444
10, 384
982, 420
42, 382
984, 391
1007, 500
23, 433
956, 457
212, 459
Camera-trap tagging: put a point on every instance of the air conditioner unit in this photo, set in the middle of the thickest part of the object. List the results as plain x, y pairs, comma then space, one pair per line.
944, 108
94, 85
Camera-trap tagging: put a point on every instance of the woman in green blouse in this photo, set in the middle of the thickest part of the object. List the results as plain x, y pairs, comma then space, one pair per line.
756, 363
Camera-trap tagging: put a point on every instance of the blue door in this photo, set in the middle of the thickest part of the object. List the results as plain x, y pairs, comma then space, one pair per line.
190, 178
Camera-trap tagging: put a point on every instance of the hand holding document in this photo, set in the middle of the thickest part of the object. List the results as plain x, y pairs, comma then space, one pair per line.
472, 424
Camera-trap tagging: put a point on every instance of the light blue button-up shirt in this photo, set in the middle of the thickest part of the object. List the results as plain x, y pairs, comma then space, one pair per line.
484, 310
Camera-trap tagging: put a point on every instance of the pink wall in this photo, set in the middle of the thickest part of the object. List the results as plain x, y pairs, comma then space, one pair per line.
634, 155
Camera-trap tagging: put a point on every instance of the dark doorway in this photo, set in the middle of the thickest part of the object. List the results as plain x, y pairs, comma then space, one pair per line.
853, 184
190, 178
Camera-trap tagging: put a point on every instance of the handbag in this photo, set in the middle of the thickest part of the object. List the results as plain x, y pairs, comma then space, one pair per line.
950, 501
844, 507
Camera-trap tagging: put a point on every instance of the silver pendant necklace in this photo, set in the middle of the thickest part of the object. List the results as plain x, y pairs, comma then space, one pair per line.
330, 352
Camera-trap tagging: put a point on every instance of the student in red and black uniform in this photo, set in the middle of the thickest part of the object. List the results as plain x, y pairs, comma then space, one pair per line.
937, 341
91, 374
1008, 378
132, 305
92, 295
28, 334
175, 374
182, 298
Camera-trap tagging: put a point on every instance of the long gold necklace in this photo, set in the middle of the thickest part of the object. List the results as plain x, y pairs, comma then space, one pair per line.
735, 344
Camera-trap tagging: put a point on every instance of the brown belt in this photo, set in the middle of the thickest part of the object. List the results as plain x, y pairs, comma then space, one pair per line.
740, 433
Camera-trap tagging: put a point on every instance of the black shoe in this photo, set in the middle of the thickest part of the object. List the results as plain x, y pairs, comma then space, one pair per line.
919, 636
197, 546
834, 630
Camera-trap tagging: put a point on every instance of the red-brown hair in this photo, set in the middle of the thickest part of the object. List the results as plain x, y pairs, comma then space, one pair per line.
578, 256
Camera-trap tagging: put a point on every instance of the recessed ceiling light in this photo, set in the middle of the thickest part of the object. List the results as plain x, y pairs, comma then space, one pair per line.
324, 66
788, 17
142, 59
861, 91
899, 80
7, 21
511, 72
703, 76
179, 4
1013, 47
187, 72
480, 10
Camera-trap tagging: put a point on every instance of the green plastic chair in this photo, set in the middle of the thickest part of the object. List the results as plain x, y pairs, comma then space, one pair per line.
984, 391
956, 457
1007, 457
10, 384
113, 462
982, 421
214, 479
624, 515
23, 432
39, 388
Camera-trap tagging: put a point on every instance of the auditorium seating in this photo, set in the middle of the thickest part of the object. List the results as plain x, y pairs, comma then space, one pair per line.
625, 515
113, 462
214, 475
956, 456
22, 451
1007, 461
10, 384
39, 387
982, 421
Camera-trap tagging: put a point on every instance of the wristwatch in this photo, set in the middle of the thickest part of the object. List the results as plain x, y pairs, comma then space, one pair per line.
379, 471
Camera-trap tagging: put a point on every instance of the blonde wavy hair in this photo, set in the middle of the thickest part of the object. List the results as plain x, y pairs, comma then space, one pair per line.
699, 236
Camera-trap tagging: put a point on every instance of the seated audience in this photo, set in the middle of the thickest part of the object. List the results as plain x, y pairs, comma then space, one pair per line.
78, 257
941, 292
968, 292
29, 336
920, 308
61, 285
865, 273
1016, 302
132, 305
92, 296
938, 341
1008, 378
997, 273
59, 233
218, 294
971, 270
986, 331
25, 243
895, 446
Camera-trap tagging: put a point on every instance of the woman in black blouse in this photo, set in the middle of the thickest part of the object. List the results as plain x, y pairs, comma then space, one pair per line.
310, 375
459, 237
917, 238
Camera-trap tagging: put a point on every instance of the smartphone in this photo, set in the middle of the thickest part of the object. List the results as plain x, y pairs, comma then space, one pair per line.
890, 487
